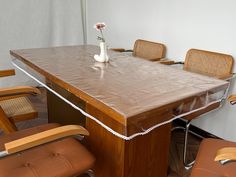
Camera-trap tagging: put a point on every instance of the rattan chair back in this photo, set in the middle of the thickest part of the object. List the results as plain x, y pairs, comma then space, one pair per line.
149, 50
208, 63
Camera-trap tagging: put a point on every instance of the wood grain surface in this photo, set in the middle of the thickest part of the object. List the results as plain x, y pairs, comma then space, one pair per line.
127, 88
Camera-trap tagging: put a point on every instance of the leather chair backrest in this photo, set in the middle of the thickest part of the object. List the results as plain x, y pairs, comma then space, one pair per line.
149, 50
208, 63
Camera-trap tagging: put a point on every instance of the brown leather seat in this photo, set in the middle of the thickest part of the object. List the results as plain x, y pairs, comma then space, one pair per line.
205, 166
63, 158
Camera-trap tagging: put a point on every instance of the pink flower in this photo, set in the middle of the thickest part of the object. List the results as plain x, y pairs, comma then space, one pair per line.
99, 26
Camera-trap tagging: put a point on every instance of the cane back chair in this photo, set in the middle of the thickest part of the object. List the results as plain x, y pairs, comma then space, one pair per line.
14, 104
211, 64
148, 50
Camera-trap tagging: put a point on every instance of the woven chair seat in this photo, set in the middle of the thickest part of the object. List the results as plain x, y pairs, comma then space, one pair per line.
18, 109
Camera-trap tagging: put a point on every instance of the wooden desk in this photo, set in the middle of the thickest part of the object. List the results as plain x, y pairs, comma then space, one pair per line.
127, 94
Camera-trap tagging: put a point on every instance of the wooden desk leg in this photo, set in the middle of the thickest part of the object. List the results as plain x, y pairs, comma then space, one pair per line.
143, 156
59, 111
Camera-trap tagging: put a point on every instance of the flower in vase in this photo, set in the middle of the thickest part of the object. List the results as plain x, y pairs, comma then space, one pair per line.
100, 27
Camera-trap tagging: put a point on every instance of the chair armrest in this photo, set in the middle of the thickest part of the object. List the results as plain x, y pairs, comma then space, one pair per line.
18, 91
9, 72
44, 137
167, 61
179, 63
227, 77
120, 50
226, 154
232, 99
154, 59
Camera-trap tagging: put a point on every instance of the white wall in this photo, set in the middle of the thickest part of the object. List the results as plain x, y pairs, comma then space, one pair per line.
36, 23
181, 25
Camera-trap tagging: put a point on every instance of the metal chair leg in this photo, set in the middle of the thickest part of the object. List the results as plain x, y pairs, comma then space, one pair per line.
186, 165
79, 137
187, 131
90, 173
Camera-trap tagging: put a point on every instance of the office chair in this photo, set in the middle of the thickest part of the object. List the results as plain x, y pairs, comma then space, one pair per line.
148, 50
216, 157
210, 64
45, 151
14, 104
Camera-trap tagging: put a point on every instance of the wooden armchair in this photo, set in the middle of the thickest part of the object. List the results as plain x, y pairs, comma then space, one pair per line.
211, 64
45, 151
14, 104
216, 157
148, 50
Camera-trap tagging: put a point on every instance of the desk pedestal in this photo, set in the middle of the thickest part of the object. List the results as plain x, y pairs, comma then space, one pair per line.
143, 156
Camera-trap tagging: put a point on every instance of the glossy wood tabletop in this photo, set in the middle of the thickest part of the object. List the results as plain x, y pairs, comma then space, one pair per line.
127, 94
128, 88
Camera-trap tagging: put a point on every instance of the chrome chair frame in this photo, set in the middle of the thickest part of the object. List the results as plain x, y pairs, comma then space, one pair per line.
189, 165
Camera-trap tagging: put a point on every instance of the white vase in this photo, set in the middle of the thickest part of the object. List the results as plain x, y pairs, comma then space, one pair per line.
103, 57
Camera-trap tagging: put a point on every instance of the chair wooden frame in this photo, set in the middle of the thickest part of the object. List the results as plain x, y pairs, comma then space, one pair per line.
8, 123
9, 72
41, 138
